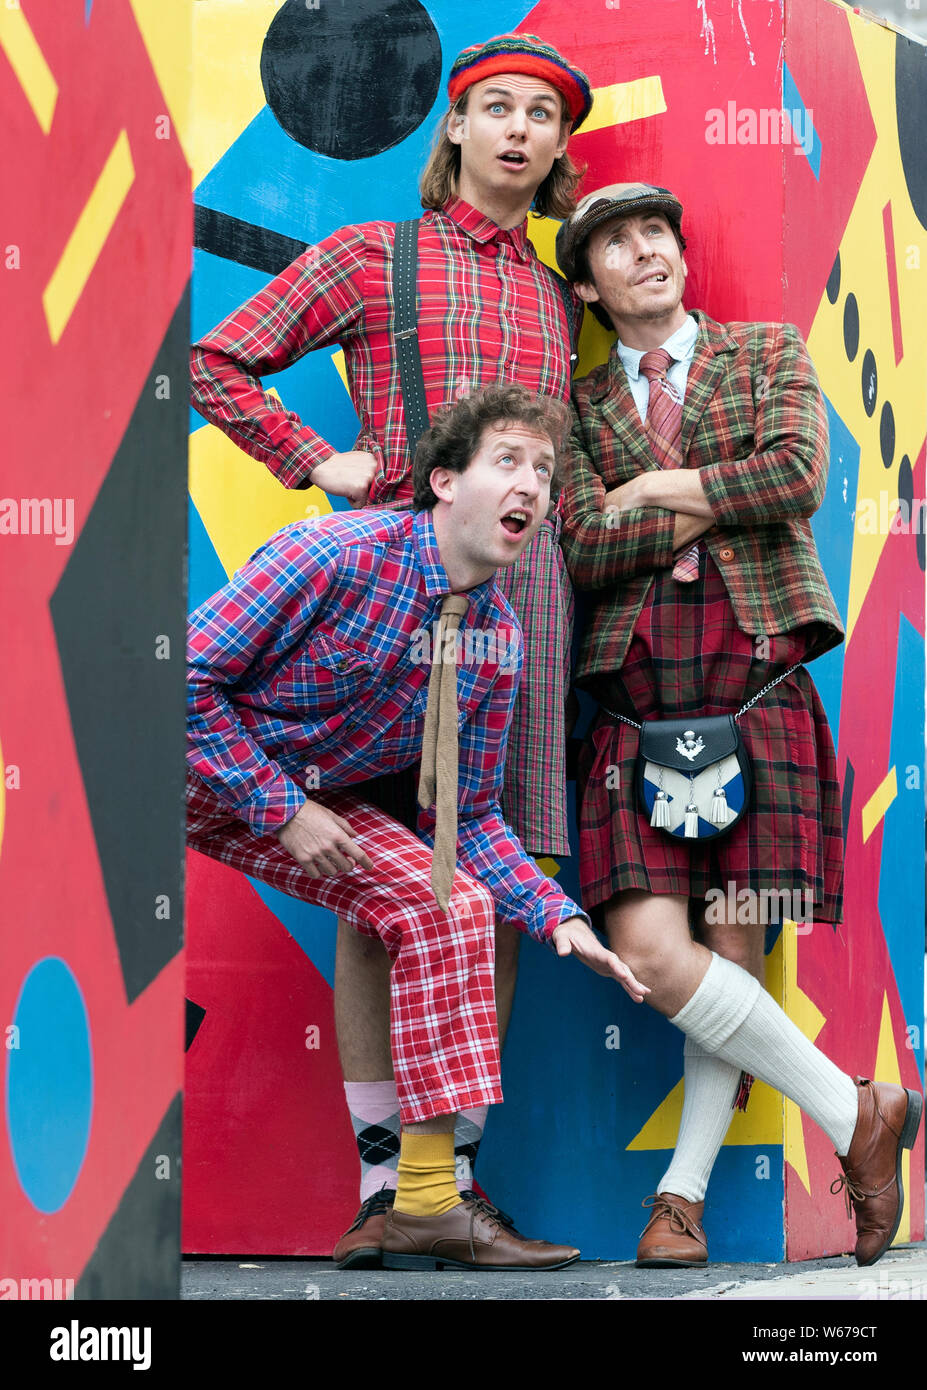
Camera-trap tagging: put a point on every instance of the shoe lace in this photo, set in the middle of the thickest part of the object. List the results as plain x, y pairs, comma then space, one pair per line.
679, 1220
379, 1201
851, 1191
474, 1200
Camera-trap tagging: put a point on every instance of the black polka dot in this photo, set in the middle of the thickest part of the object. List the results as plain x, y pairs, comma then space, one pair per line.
851, 326
911, 108
919, 537
869, 382
833, 281
906, 481
887, 432
351, 78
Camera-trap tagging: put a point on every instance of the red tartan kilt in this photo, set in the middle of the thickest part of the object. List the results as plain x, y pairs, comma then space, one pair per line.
688, 657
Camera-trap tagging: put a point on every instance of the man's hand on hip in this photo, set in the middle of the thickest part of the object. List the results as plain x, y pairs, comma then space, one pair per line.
574, 938
321, 842
346, 475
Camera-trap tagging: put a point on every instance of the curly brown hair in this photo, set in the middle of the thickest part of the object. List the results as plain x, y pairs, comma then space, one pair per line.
556, 196
457, 432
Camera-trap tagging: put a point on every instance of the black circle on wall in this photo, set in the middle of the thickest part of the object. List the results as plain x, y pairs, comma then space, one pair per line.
351, 78
887, 433
906, 483
833, 281
851, 326
869, 381
911, 106
920, 540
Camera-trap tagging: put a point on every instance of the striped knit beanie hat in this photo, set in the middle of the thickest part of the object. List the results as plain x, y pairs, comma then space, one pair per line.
523, 53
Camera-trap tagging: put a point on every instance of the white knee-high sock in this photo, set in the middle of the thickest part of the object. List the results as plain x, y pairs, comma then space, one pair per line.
707, 1110
733, 1017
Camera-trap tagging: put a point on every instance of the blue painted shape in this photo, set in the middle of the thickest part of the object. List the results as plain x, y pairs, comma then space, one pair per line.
555, 1154
88, 6
312, 928
792, 102
49, 1089
205, 575
901, 872
833, 527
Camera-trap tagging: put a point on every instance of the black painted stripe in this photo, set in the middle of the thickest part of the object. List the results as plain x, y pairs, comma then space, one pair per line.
244, 242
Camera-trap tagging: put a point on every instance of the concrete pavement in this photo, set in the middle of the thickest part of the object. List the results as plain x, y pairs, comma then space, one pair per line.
901, 1275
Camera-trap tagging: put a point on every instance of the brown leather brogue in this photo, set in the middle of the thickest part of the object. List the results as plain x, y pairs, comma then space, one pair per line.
361, 1245
674, 1235
886, 1124
469, 1236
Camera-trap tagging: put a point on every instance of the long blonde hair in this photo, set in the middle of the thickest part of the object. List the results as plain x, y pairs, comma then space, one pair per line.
556, 196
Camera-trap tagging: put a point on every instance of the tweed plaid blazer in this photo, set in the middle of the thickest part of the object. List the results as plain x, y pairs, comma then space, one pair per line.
754, 424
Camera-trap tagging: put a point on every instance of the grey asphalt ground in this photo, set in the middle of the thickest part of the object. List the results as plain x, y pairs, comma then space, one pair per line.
901, 1275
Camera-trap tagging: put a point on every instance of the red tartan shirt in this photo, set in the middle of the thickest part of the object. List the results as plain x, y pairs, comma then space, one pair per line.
489, 311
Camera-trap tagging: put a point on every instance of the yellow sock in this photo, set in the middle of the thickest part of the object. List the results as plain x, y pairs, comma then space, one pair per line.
426, 1174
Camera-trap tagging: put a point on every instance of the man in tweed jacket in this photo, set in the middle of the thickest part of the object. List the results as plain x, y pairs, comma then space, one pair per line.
699, 455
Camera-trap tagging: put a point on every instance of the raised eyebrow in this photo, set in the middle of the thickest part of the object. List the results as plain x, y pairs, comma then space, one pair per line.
522, 449
504, 92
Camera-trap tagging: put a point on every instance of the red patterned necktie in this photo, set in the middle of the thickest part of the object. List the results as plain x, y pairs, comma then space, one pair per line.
663, 428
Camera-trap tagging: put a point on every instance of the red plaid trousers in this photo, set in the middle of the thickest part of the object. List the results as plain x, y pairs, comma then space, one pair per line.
443, 1031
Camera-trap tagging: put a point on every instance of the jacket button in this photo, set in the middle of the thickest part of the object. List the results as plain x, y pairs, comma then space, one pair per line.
725, 553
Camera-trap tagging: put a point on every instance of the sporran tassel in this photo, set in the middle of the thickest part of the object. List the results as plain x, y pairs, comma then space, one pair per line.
720, 811
660, 816
691, 832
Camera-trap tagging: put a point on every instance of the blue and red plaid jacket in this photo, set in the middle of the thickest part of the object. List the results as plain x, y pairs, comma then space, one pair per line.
313, 663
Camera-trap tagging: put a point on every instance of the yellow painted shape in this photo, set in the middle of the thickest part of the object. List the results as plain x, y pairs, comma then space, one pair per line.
239, 500
86, 241
548, 866
227, 40
167, 29
805, 1014
594, 341
878, 803
28, 62
760, 1123
625, 101
340, 368
863, 272
887, 1068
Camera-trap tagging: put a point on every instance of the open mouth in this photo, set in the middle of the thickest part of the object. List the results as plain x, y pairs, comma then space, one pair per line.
515, 522
514, 158
659, 277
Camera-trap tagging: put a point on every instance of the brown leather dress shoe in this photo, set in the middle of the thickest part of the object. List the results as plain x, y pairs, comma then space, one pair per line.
468, 1236
887, 1123
674, 1235
361, 1245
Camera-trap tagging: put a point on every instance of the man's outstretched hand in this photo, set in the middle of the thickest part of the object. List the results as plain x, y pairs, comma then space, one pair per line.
574, 938
321, 842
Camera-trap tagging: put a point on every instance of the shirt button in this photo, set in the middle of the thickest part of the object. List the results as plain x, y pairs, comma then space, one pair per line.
725, 553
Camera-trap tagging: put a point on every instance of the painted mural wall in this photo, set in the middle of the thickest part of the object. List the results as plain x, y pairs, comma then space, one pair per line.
96, 230
310, 116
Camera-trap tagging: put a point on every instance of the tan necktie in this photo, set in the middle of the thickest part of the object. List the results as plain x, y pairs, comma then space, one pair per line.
438, 780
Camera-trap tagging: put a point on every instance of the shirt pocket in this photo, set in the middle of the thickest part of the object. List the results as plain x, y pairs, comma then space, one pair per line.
328, 675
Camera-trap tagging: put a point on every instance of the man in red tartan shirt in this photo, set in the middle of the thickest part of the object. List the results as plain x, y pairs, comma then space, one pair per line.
488, 310
700, 453
310, 656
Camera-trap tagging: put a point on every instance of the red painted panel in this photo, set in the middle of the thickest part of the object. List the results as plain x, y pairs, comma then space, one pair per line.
267, 1130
